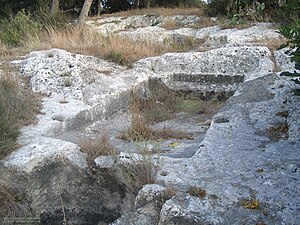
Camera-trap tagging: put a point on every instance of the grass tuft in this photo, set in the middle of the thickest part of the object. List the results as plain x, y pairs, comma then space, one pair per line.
194, 105
97, 147
140, 170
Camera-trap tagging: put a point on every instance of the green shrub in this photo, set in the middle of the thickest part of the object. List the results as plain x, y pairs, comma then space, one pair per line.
15, 29
114, 56
292, 32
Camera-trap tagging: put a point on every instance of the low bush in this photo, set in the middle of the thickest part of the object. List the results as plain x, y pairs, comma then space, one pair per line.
15, 29
287, 12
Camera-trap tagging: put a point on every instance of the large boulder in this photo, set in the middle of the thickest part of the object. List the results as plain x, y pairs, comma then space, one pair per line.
60, 191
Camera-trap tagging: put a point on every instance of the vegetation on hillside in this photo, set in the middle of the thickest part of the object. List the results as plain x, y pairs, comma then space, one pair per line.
248, 10
25, 24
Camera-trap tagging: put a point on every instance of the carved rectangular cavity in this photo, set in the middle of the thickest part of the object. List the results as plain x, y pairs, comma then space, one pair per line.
209, 78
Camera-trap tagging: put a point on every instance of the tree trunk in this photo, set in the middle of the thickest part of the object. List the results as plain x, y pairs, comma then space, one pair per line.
99, 8
85, 10
54, 6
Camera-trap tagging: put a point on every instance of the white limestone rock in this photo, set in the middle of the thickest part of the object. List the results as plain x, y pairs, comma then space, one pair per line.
105, 162
220, 69
78, 89
148, 194
148, 28
38, 151
188, 210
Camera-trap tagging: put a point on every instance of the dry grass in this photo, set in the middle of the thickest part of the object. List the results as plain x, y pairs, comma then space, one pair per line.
158, 106
84, 40
252, 203
18, 107
11, 204
139, 130
196, 192
141, 171
10, 53
97, 147
160, 11
163, 104
170, 25
276, 133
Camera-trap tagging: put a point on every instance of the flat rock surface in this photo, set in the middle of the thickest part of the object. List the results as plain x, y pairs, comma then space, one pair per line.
240, 159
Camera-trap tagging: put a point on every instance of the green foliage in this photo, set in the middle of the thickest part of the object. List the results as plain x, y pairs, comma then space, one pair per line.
43, 15
117, 57
236, 20
217, 7
287, 12
227, 7
14, 29
260, 7
292, 32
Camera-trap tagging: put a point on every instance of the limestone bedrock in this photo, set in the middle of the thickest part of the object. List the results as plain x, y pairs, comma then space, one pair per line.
249, 153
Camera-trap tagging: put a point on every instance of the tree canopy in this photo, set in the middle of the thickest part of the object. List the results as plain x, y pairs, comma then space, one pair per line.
12, 7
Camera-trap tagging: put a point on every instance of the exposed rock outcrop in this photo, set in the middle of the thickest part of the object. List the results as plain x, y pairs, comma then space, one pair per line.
243, 170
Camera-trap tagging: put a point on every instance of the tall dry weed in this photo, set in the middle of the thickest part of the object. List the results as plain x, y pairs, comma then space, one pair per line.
140, 170
97, 147
87, 41
160, 11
